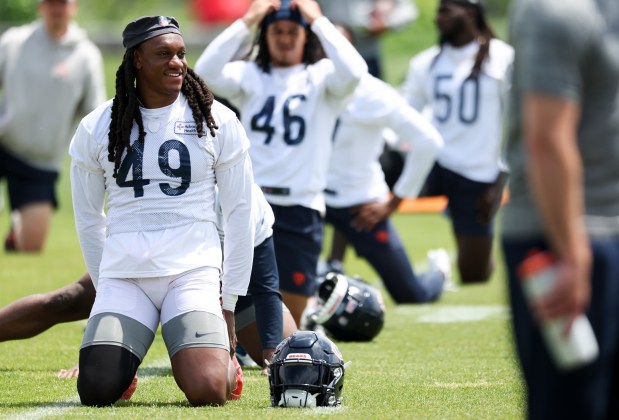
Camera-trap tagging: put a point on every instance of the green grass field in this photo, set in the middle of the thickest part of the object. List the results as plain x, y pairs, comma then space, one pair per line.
452, 359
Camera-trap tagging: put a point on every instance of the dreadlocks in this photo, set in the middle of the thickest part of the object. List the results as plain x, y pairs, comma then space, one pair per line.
485, 35
126, 108
311, 53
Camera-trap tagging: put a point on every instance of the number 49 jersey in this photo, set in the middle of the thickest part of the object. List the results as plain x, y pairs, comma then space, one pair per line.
166, 184
467, 111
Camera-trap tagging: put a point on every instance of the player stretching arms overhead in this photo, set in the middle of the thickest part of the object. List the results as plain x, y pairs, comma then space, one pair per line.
289, 101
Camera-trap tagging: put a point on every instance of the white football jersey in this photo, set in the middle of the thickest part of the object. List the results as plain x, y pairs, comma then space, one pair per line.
355, 174
468, 112
289, 113
160, 217
262, 216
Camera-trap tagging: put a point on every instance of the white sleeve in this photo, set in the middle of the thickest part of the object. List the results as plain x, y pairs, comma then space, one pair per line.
235, 180
88, 194
413, 87
214, 65
348, 63
425, 144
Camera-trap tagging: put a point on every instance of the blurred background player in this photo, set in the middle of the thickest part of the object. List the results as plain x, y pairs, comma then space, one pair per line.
288, 100
358, 199
51, 75
152, 157
563, 154
368, 21
463, 82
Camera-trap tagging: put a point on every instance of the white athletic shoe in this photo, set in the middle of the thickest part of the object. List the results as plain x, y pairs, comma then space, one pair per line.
438, 260
243, 358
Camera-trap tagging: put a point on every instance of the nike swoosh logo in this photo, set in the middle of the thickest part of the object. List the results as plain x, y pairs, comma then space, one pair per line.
198, 335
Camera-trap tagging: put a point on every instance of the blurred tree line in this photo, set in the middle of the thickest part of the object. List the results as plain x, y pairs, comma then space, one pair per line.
20, 11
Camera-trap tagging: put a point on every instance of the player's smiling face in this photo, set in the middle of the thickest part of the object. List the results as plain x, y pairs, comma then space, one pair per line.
161, 67
286, 42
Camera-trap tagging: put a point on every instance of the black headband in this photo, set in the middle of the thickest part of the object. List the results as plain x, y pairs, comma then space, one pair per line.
284, 13
147, 27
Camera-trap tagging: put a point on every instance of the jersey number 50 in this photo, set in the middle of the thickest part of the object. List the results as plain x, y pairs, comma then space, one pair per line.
262, 121
468, 99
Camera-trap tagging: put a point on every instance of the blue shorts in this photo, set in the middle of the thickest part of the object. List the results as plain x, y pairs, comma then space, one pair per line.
384, 250
264, 277
297, 234
462, 195
263, 303
27, 184
587, 392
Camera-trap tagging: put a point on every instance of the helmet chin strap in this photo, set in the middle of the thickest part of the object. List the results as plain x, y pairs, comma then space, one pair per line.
297, 398
330, 306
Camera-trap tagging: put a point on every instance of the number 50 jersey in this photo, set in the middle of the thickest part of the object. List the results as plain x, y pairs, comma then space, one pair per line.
467, 111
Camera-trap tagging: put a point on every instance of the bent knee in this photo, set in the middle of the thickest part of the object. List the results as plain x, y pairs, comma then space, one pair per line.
208, 391
99, 389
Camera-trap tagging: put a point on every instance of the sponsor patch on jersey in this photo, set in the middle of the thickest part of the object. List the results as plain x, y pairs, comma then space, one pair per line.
185, 127
299, 356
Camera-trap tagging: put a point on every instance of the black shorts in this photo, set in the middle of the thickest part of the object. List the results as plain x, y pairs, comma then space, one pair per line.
462, 195
27, 184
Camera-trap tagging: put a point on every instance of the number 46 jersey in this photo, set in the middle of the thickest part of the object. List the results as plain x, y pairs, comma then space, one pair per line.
160, 217
289, 113
467, 111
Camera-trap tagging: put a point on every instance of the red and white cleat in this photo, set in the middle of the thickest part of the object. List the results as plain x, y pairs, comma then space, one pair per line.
236, 392
126, 396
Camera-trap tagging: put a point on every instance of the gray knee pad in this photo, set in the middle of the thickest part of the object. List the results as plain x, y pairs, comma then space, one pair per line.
195, 329
118, 330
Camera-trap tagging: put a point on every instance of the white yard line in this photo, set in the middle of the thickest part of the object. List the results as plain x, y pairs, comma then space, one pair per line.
441, 314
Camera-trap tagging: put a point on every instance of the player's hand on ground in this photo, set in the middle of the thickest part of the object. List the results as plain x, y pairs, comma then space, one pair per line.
69, 373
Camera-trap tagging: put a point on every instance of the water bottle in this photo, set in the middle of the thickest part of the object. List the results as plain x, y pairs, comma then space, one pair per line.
569, 351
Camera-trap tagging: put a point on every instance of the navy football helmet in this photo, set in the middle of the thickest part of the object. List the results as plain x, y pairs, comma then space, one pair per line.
307, 370
348, 308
